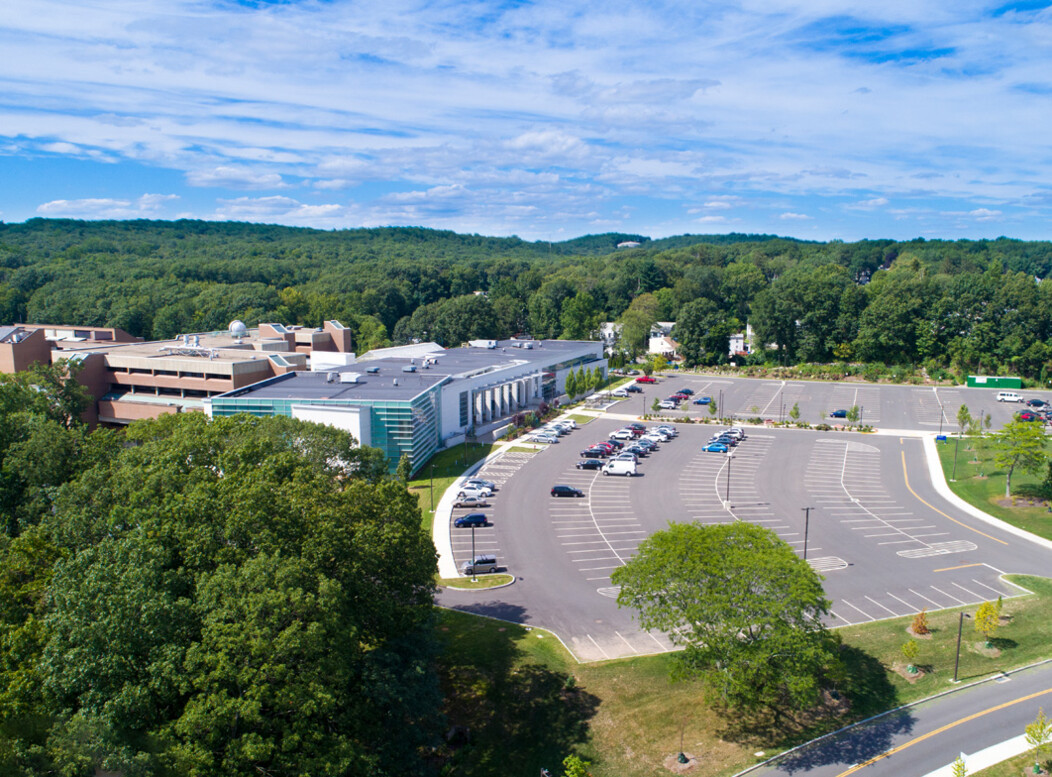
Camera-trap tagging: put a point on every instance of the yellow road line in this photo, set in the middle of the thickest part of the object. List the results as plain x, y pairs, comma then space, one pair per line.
936, 509
962, 566
937, 731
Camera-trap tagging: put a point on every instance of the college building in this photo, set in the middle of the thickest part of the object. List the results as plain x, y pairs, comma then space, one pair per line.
410, 400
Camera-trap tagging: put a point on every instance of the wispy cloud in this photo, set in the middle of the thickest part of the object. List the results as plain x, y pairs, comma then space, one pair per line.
538, 117
146, 206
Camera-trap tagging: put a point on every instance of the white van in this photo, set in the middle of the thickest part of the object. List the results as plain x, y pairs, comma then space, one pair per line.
1008, 396
620, 467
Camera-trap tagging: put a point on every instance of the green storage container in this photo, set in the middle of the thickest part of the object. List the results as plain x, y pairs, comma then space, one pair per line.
989, 381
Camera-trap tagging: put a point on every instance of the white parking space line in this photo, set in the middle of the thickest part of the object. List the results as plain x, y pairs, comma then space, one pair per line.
974, 595
849, 604
836, 615
909, 607
996, 591
925, 598
895, 614
948, 596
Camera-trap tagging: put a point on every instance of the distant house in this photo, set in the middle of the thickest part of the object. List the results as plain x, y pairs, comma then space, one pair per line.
628, 244
610, 333
741, 343
663, 345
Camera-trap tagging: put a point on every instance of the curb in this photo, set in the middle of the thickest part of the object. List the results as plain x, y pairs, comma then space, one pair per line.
938, 479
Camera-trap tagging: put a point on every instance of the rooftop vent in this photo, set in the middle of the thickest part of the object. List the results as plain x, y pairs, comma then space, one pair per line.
349, 377
373, 370
396, 381
330, 378
409, 368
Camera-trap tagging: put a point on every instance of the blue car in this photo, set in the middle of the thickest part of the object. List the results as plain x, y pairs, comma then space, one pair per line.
702, 400
715, 447
838, 414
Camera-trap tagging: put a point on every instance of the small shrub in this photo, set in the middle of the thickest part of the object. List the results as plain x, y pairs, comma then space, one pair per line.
920, 623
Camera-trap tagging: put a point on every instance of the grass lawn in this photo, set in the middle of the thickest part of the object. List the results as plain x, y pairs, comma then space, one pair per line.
483, 581
1013, 767
529, 704
448, 465
581, 420
983, 485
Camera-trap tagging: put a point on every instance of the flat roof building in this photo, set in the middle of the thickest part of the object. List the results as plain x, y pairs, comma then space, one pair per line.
417, 399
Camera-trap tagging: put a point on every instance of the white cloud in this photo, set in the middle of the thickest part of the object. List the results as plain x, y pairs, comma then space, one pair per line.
789, 216
230, 177
148, 205
985, 214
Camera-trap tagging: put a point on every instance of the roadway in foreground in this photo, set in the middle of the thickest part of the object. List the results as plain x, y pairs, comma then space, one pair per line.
919, 739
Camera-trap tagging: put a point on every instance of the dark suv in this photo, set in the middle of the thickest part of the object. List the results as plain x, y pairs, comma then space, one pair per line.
471, 519
566, 491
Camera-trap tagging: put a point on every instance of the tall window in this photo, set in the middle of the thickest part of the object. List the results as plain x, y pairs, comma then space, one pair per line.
463, 408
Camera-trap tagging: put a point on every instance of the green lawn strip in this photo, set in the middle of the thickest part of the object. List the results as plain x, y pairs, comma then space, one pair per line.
581, 420
483, 581
510, 686
1013, 767
521, 449
449, 464
983, 485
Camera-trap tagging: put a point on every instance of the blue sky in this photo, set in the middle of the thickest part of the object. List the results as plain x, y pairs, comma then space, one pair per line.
547, 120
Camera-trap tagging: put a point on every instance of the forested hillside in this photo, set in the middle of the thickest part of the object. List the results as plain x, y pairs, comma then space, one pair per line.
969, 305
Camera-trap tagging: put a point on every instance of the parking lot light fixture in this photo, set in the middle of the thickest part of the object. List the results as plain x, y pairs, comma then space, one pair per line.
957, 660
730, 458
807, 525
474, 575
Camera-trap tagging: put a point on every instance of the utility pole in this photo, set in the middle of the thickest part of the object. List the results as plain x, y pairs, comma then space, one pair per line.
807, 526
730, 458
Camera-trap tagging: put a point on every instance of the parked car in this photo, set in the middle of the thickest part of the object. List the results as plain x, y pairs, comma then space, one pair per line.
638, 450
471, 501
838, 414
1008, 396
668, 404
479, 565
593, 453
669, 428
715, 447
547, 439
1026, 415
646, 379
620, 393
590, 464
703, 401
471, 519
637, 426
622, 434
632, 388
480, 483
1037, 403
678, 397
687, 391
566, 491
474, 493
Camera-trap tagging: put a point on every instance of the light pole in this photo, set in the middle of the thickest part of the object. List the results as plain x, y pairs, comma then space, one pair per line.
719, 408
643, 394
861, 410
730, 458
807, 526
957, 660
474, 575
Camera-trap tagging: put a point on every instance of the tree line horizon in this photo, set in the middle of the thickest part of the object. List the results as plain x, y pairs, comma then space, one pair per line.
964, 305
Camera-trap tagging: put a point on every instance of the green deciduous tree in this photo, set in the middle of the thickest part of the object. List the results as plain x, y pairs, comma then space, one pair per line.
1019, 444
1038, 736
745, 608
703, 332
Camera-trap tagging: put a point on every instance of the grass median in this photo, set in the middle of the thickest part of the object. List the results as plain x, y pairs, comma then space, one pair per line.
982, 484
432, 480
528, 704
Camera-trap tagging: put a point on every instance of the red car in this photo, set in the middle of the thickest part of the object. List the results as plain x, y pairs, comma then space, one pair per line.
646, 379
1026, 415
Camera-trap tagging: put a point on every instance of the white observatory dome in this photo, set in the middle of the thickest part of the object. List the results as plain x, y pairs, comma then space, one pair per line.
238, 328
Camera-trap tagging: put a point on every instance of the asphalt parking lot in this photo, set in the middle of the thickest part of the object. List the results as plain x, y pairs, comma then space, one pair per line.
927, 408
886, 542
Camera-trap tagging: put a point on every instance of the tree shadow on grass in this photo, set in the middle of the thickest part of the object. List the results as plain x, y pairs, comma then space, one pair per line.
513, 715
866, 692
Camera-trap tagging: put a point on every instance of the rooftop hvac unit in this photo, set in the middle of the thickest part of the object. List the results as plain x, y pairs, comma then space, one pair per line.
373, 370
349, 377
409, 368
396, 381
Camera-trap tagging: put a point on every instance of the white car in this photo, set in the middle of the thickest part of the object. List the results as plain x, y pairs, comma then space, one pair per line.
622, 434
475, 493
620, 393
668, 430
480, 483
667, 404
547, 439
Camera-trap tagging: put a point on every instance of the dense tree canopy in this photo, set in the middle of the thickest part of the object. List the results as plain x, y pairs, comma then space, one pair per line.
974, 306
237, 597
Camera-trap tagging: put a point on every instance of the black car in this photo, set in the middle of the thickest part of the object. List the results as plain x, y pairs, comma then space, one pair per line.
590, 463
566, 491
632, 388
471, 519
688, 392
1035, 403
591, 454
